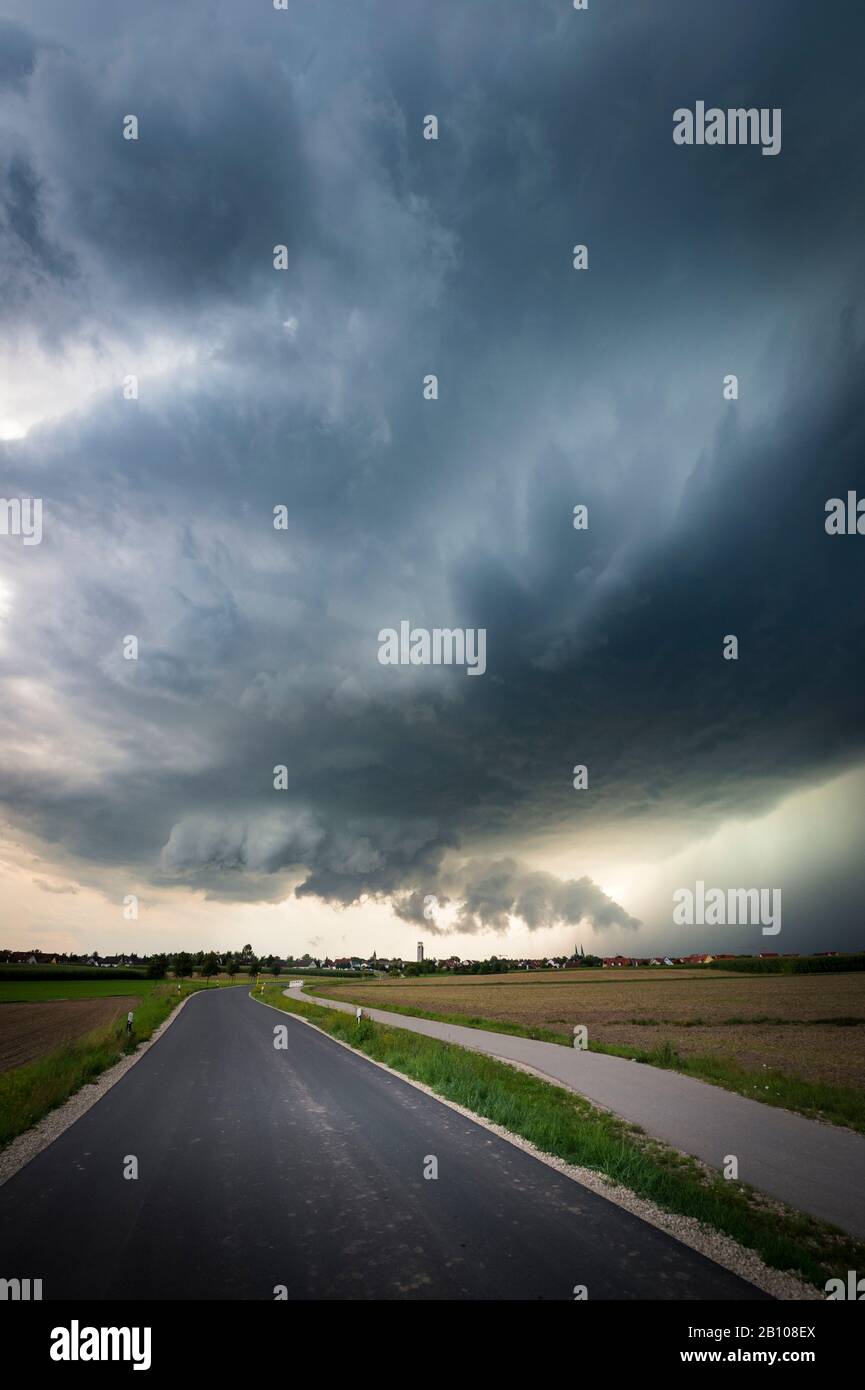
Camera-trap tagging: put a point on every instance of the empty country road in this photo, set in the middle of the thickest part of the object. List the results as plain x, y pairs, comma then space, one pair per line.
303, 1168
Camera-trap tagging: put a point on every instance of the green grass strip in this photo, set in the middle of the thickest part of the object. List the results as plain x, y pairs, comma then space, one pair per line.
817, 1100
489, 1025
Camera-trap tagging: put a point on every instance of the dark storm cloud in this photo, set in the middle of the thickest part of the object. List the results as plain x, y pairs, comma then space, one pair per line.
185, 212
18, 50
33, 269
490, 892
258, 647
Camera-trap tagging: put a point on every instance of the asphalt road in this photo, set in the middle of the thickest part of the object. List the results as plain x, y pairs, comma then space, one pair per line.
303, 1168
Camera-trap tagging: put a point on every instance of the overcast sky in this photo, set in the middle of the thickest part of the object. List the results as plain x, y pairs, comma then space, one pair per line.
303, 388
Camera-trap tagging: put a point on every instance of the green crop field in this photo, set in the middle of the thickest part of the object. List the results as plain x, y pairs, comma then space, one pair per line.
38, 991
100, 987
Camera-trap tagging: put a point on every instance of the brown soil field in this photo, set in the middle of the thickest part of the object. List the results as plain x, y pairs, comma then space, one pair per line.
28, 1031
782, 1022
830, 1054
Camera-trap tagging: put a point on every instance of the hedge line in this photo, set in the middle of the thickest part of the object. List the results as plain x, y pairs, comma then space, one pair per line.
798, 965
70, 972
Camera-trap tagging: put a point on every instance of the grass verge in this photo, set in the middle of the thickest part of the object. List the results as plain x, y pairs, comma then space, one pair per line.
817, 1100
563, 1124
489, 1025
28, 1093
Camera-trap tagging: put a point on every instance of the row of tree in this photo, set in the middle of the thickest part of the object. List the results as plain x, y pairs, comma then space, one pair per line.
496, 965
184, 964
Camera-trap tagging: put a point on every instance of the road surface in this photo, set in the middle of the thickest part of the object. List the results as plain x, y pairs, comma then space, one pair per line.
303, 1169
813, 1167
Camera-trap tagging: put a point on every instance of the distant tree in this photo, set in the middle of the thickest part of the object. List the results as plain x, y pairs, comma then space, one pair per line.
156, 967
182, 965
418, 967
209, 966
231, 968
276, 968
